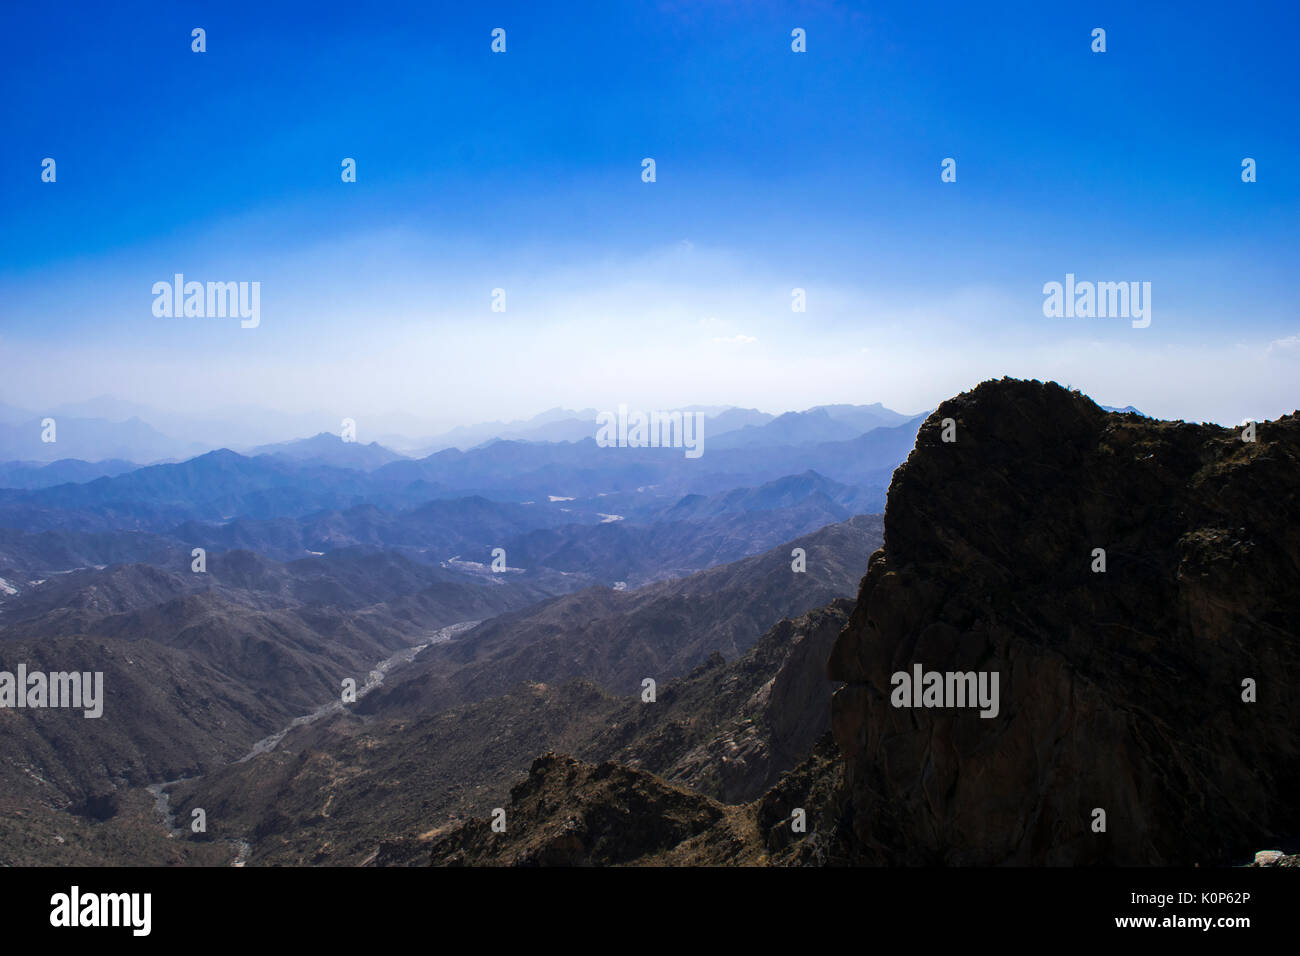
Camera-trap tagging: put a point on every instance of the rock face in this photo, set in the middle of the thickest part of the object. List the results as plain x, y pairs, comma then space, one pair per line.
1120, 691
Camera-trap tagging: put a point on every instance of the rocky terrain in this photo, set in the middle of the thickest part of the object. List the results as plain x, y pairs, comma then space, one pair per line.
1121, 689
611, 815
619, 638
196, 669
1133, 584
386, 774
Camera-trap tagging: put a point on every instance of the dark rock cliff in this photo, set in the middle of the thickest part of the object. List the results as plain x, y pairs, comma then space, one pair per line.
1120, 690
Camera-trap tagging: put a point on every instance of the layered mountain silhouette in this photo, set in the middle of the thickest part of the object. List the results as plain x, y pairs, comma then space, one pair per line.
89, 439
221, 485
674, 667
825, 423
1145, 713
29, 475
109, 428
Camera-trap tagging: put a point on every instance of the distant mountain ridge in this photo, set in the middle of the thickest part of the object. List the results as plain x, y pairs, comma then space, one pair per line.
108, 428
824, 423
90, 439
221, 485
327, 448
30, 475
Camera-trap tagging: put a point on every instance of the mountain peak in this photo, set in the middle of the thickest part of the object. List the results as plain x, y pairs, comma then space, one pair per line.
1117, 573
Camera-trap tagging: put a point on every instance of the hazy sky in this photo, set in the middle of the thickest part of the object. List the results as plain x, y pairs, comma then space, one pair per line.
522, 171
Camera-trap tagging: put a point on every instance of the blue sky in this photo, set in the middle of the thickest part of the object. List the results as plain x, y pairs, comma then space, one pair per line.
521, 171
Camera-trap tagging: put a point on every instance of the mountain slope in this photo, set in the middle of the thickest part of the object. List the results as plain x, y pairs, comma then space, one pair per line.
1126, 690
196, 669
30, 475
327, 448
618, 638
89, 439
337, 791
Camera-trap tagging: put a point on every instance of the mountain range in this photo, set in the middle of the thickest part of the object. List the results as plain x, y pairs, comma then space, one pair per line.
106, 428
1145, 716
642, 659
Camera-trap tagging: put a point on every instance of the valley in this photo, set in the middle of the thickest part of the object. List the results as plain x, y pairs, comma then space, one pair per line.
217, 681
773, 664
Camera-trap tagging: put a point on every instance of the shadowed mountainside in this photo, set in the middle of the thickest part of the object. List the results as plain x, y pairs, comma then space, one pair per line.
1120, 690
355, 788
619, 638
196, 669
1123, 691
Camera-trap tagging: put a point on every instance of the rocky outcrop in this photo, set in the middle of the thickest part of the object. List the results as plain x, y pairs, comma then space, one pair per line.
1122, 690
1275, 858
570, 813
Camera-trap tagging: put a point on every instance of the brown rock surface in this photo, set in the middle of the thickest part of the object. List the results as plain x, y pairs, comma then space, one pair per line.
1119, 690
570, 813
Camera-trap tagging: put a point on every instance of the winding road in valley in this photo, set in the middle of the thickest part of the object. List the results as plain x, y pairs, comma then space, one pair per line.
162, 800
